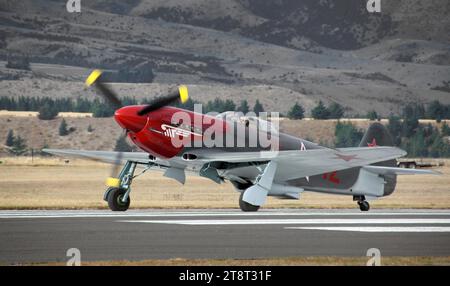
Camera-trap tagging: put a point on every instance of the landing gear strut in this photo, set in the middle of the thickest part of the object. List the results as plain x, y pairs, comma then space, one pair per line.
362, 203
118, 193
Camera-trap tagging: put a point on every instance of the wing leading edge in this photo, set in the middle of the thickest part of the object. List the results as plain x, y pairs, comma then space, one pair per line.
102, 156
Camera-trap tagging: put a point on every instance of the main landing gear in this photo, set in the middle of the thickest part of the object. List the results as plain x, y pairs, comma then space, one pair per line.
362, 203
118, 193
255, 196
246, 207
117, 200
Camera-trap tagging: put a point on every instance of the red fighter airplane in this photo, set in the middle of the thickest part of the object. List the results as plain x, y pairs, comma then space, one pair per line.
293, 166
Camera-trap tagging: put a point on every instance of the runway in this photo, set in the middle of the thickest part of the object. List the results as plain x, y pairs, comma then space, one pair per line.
42, 236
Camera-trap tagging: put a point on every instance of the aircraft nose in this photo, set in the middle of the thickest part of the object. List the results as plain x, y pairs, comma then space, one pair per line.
127, 118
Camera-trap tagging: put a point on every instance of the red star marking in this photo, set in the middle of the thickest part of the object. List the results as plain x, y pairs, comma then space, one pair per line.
332, 177
373, 143
346, 158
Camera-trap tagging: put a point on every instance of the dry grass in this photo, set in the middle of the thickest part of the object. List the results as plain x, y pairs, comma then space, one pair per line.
52, 184
288, 261
18, 113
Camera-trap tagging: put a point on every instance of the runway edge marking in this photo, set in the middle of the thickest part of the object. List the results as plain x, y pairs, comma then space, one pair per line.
293, 221
421, 229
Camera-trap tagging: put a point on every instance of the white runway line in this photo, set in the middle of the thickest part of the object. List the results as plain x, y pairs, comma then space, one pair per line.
379, 228
294, 221
106, 214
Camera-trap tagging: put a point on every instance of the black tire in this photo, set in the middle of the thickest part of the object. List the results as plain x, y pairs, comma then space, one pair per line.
246, 207
364, 206
115, 200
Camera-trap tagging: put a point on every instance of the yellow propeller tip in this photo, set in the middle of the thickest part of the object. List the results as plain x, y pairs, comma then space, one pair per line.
92, 78
183, 93
113, 182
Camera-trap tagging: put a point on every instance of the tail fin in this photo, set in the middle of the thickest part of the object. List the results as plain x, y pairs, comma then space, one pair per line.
376, 135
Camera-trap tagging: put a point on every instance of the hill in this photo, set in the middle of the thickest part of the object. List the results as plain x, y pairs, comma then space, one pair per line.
275, 51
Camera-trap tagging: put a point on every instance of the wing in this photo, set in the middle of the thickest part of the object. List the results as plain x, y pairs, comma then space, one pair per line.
302, 163
174, 168
106, 156
292, 164
381, 170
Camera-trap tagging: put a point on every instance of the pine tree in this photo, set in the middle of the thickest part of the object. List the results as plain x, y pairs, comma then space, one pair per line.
445, 130
229, 105
63, 128
417, 146
347, 135
258, 108
10, 138
436, 148
395, 129
47, 112
436, 111
244, 108
410, 121
372, 115
336, 111
320, 111
296, 112
101, 109
19, 146
216, 105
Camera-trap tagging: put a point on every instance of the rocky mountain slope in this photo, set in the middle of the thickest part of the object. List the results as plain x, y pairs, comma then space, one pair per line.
276, 51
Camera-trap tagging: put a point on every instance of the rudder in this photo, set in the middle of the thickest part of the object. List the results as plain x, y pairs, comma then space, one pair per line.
378, 135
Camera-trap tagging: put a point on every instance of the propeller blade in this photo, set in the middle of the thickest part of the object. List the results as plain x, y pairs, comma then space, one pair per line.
180, 95
95, 78
113, 180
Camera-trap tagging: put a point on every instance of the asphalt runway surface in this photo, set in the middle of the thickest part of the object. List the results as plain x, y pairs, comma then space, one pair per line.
43, 236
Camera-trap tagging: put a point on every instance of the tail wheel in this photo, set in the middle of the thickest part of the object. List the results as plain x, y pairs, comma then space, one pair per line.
246, 207
115, 202
364, 206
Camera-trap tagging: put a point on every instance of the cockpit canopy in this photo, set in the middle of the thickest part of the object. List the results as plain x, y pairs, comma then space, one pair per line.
249, 121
